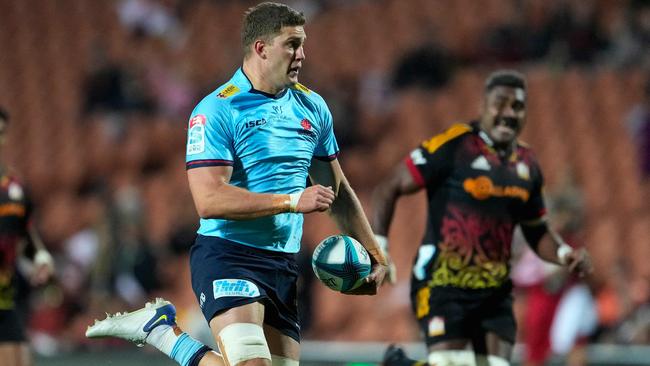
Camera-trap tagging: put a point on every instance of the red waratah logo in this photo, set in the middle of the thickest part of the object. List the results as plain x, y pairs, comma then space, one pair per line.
306, 124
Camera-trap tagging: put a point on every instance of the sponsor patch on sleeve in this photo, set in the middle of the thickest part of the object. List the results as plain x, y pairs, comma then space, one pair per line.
228, 91
196, 135
234, 288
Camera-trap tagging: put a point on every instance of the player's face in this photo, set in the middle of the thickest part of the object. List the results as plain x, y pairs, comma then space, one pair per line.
285, 55
503, 114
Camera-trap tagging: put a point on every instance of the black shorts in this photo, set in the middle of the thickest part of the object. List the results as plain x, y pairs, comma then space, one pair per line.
11, 327
227, 275
446, 313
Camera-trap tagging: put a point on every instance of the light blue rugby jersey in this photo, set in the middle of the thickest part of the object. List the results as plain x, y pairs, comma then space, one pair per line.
270, 142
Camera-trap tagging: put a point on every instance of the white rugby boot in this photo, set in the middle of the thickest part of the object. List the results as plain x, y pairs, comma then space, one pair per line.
135, 326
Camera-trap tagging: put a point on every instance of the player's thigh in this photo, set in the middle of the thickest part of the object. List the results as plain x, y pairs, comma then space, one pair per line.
252, 313
281, 344
15, 354
497, 323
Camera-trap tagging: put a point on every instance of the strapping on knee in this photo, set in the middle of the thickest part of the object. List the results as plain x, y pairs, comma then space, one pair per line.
240, 342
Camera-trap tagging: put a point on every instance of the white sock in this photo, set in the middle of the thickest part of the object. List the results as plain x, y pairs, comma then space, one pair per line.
163, 338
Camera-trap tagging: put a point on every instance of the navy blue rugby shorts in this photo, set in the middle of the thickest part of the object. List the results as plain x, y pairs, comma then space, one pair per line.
226, 274
11, 327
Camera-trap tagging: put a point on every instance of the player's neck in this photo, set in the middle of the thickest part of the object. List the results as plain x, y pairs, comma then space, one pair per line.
503, 150
258, 79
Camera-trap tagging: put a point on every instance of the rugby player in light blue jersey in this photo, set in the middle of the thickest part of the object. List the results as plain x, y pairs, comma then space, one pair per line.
252, 144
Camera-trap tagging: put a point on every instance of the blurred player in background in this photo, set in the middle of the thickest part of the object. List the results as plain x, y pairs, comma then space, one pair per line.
480, 183
251, 145
16, 233
560, 313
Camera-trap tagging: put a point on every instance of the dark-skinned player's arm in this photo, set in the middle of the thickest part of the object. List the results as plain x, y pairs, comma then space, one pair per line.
349, 216
543, 239
384, 198
39, 268
550, 246
428, 165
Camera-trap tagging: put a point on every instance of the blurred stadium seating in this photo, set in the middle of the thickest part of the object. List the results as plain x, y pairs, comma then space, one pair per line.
575, 124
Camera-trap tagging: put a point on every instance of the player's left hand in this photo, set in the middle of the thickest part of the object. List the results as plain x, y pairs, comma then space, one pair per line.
372, 282
579, 262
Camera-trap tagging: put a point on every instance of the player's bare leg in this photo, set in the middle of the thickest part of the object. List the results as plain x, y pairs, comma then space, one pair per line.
15, 354
498, 351
282, 346
253, 337
212, 358
229, 332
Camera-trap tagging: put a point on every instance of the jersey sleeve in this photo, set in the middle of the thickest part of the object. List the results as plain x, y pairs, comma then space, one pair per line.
209, 138
327, 148
432, 161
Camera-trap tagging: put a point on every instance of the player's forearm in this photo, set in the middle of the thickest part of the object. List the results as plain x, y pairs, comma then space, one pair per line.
234, 203
551, 246
384, 198
351, 219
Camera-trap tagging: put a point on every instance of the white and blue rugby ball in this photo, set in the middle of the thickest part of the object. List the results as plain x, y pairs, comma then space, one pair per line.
341, 263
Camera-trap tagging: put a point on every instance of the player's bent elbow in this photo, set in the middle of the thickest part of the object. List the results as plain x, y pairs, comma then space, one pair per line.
208, 212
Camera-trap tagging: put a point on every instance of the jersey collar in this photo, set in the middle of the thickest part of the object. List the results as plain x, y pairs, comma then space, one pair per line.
490, 144
242, 79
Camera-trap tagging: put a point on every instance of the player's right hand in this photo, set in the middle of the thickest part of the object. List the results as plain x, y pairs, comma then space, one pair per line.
315, 198
391, 275
371, 283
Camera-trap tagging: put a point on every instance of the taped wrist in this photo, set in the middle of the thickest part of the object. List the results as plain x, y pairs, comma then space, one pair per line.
563, 251
293, 200
43, 257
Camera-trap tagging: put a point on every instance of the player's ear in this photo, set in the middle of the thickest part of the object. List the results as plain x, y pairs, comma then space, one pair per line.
259, 47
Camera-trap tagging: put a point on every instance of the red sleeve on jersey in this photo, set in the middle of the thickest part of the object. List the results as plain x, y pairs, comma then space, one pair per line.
415, 173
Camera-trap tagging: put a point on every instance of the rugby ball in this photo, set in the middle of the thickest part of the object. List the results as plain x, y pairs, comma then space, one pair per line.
341, 263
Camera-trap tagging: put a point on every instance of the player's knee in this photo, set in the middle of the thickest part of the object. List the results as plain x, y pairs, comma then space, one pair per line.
283, 361
240, 342
497, 361
451, 358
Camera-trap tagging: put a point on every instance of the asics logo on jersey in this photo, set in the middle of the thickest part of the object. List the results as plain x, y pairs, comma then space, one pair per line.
255, 123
